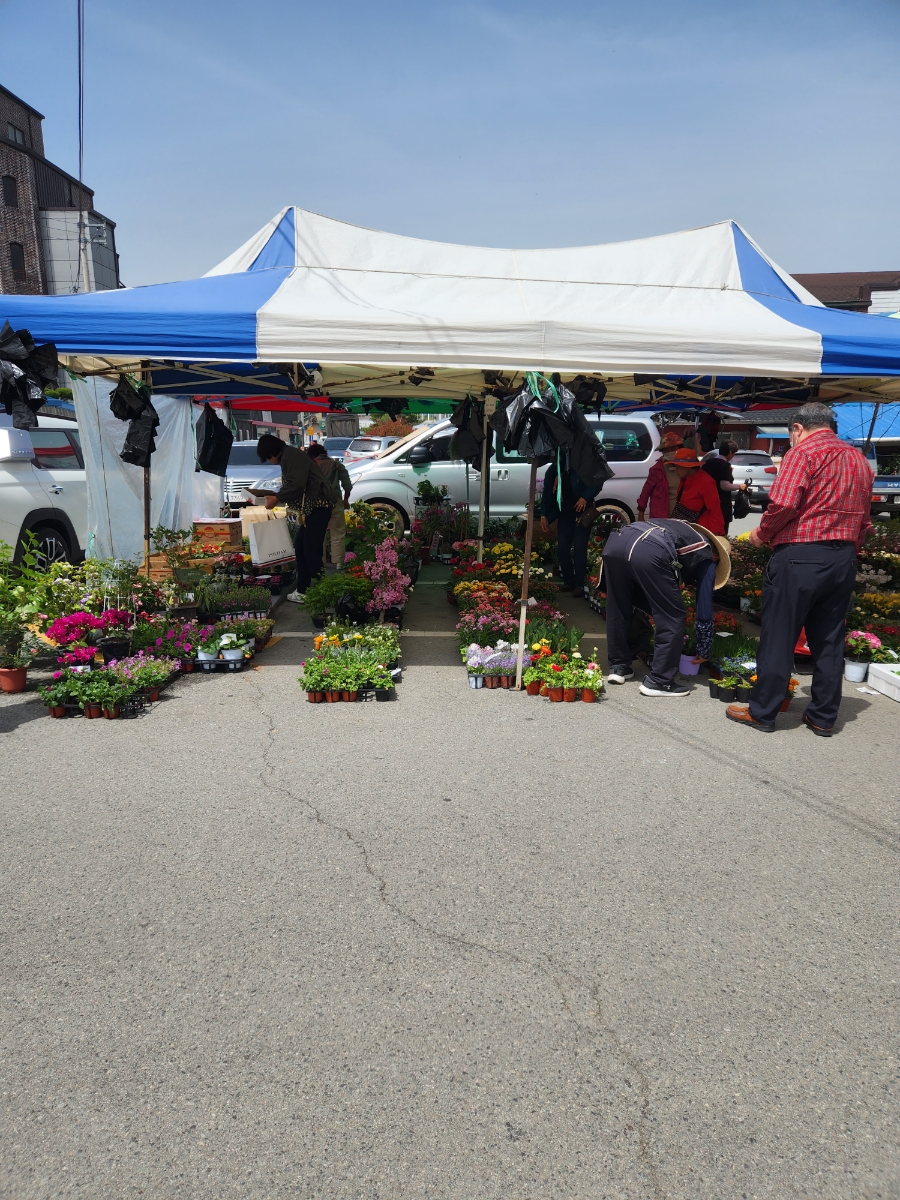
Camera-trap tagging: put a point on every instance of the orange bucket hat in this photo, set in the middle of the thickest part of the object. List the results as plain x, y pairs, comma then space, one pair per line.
685, 457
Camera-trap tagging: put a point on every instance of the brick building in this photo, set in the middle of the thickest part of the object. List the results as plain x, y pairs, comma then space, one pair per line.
856, 291
43, 212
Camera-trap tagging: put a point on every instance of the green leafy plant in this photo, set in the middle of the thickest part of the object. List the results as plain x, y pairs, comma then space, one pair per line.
62, 690
430, 494
325, 592
104, 687
18, 645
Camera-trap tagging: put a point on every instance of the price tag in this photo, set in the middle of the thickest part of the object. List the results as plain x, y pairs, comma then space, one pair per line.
490, 405
435, 543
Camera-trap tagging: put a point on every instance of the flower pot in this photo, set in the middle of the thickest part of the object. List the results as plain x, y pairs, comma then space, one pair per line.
204, 656
492, 680
786, 702
319, 622
114, 648
727, 694
570, 695
687, 666
473, 682
187, 665
12, 679
233, 655
713, 689
744, 694
555, 694
92, 711
479, 681
152, 694
350, 697
588, 695
543, 690
855, 672
111, 713
58, 710
507, 681
314, 697
384, 694
533, 688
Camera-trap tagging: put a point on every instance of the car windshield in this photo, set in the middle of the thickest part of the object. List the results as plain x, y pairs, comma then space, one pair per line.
745, 459
364, 445
243, 455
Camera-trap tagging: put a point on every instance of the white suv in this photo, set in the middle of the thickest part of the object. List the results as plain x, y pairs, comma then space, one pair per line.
390, 480
43, 489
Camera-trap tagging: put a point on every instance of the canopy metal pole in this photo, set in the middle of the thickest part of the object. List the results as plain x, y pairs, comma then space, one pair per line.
871, 429
147, 378
526, 570
484, 473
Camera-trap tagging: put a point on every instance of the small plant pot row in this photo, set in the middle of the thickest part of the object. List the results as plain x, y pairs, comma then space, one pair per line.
740, 694
491, 681
348, 697
561, 695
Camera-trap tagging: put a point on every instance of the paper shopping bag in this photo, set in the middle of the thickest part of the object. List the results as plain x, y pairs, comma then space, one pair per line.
270, 542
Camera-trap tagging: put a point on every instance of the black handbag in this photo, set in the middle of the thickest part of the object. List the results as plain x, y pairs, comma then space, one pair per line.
741, 506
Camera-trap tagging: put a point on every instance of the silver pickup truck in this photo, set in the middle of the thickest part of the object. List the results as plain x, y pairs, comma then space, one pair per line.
390, 479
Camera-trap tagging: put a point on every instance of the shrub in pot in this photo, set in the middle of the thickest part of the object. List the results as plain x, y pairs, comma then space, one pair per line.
18, 647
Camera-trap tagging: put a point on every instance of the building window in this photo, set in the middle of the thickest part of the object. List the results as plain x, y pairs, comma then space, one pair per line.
17, 261
10, 192
15, 134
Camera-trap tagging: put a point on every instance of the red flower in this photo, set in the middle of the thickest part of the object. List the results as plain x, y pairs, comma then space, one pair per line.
555, 667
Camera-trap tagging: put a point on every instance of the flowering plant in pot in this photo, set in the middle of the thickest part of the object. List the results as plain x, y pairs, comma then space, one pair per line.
142, 672
317, 677
60, 692
859, 646
389, 583
18, 648
234, 646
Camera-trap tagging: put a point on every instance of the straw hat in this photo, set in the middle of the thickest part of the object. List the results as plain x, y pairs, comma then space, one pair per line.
722, 548
685, 457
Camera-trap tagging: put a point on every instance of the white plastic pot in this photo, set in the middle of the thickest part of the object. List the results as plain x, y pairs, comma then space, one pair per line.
473, 681
855, 672
204, 656
232, 655
479, 681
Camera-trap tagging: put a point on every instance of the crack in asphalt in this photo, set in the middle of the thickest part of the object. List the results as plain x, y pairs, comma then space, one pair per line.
549, 968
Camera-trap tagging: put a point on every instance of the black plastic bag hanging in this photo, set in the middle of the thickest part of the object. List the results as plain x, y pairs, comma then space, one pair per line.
214, 440
25, 371
133, 404
466, 444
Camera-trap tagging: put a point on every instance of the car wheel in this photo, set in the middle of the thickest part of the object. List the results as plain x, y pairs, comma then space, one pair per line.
609, 518
50, 546
401, 521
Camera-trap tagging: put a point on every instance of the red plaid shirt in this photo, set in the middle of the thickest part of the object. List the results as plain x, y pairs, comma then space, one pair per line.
823, 493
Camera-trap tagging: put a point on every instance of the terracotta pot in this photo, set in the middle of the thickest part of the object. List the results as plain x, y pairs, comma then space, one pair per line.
786, 703
187, 665
534, 688
334, 696
555, 694
93, 711
314, 697
351, 696
544, 690
58, 711
111, 713
588, 695
153, 694
507, 681
570, 695
12, 679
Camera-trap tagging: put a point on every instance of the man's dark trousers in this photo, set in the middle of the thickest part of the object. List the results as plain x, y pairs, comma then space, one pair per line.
807, 585
572, 542
647, 580
309, 542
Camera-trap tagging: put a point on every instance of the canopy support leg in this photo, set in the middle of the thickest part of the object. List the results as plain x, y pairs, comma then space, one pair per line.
526, 571
147, 520
484, 474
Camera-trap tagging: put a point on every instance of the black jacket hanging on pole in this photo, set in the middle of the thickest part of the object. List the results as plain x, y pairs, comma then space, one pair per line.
214, 440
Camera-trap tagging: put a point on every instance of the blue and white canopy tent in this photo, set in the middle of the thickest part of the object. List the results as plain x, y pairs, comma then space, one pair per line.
360, 303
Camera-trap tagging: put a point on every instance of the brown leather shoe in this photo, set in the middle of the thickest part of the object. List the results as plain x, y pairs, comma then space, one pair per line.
741, 714
818, 730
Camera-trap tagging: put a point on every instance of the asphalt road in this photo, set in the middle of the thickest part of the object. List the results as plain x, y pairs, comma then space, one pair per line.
468, 945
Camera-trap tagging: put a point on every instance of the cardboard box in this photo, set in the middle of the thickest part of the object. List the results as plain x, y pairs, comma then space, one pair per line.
225, 532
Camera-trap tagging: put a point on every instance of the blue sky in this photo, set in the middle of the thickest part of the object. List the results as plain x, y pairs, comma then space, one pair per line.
507, 124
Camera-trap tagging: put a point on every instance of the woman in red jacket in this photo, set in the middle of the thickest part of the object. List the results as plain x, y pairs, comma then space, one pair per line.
698, 497
657, 494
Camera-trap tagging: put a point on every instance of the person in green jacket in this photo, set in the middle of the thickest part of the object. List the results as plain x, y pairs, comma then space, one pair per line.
573, 511
339, 482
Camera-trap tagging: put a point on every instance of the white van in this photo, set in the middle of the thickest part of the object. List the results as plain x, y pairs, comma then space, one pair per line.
390, 480
43, 489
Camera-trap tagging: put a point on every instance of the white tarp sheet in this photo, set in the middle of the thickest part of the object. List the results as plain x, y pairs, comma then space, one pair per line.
115, 490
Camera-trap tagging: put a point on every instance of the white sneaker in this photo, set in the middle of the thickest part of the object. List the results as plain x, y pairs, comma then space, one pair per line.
296, 597
619, 676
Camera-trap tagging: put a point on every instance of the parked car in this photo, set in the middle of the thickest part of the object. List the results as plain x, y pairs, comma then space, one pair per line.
366, 447
335, 446
245, 470
390, 480
756, 469
43, 489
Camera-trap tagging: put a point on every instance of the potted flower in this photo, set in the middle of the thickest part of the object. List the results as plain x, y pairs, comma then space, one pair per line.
59, 694
859, 646
117, 642
315, 678
591, 682
208, 649
556, 681
18, 647
234, 647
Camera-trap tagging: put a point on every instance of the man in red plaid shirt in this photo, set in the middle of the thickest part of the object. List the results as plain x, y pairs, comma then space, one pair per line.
817, 519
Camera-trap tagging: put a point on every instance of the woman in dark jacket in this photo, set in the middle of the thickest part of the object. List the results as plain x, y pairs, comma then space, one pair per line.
571, 511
